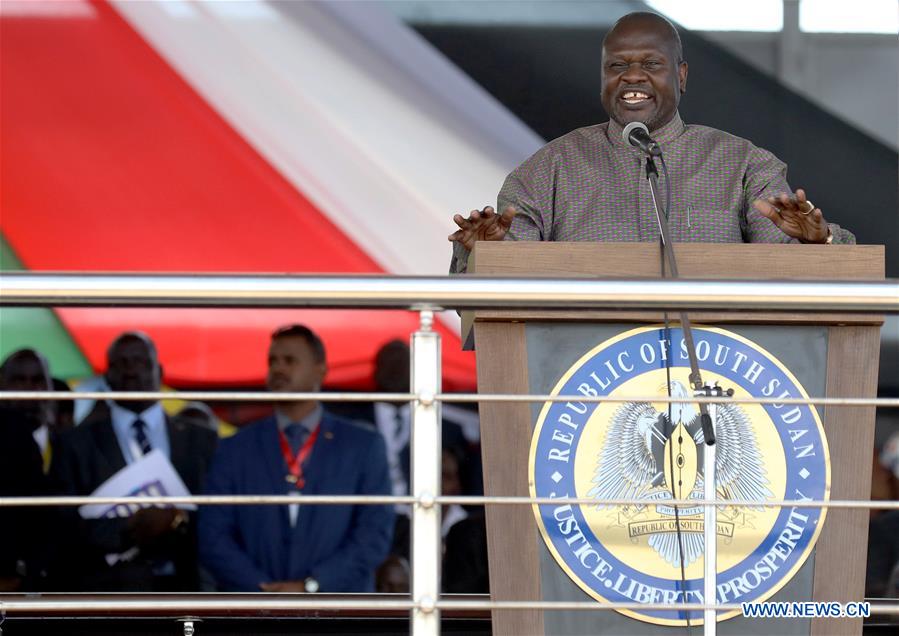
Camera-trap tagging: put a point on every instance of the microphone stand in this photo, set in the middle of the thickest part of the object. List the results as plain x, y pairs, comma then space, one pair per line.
710, 578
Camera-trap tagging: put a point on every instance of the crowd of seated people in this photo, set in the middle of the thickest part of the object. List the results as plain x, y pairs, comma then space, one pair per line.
303, 446
882, 575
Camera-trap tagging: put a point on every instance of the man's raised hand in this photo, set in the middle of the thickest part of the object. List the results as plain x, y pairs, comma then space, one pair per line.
796, 216
483, 225
284, 586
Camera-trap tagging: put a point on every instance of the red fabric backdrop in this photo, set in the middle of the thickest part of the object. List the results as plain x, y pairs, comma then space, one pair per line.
112, 162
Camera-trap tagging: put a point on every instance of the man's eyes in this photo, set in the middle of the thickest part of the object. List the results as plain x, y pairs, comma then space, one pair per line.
649, 65
141, 363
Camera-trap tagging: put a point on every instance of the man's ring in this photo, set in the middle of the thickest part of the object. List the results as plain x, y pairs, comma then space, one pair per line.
809, 209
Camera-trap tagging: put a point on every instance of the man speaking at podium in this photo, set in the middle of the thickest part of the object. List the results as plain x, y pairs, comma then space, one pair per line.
589, 185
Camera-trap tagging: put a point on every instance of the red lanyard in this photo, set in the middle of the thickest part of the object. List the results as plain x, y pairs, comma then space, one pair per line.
295, 464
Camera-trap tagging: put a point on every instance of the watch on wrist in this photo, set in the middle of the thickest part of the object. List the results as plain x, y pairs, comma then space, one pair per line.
179, 520
311, 585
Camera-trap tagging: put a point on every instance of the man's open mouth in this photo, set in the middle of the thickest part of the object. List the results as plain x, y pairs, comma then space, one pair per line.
635, 97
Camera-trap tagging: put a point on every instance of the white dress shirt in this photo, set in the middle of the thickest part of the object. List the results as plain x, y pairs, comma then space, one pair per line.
394, 423
123, 425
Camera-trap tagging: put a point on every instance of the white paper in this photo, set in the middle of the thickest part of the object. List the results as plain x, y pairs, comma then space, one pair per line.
150, 476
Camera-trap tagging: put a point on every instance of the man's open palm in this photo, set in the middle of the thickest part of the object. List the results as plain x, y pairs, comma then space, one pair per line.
483, 225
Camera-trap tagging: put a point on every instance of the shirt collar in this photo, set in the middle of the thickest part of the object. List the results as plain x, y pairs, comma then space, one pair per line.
123, 419
390, 411
309, 422
41, 437
667, 133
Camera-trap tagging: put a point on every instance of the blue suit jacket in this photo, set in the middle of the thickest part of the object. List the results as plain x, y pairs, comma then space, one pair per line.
340, 546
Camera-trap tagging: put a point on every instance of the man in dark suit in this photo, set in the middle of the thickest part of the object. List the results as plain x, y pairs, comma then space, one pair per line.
394, 421
25, 442
300, 449
22, 530
28, 370
155, 548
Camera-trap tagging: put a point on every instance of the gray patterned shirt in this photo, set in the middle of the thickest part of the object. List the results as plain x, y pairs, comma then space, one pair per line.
588, 185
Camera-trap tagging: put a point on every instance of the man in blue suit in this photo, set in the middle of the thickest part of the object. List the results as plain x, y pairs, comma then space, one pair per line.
300, 448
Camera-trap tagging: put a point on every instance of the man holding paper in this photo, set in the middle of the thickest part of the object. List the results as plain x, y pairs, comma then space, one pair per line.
148, 549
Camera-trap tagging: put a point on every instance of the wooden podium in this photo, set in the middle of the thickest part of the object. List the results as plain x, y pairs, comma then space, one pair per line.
514, 347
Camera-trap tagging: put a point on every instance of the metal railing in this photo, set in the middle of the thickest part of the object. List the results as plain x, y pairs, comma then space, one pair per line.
435, 293
426, 295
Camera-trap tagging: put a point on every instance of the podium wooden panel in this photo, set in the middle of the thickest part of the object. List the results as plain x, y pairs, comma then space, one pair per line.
502, 359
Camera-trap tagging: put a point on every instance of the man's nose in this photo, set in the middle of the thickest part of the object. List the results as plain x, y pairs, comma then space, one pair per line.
132, 365
634, 73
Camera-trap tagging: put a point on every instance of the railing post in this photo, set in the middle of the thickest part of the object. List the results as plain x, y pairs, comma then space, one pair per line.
710, 516
426, 471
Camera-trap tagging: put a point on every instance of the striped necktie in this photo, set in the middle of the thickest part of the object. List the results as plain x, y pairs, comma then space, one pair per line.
140, 434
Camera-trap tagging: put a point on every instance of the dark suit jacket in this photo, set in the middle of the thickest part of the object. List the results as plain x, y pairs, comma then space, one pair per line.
451, 438
339, 546
24, 532
84, 458
465, 557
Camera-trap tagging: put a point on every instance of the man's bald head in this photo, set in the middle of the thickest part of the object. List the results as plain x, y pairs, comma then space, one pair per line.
392, 367
133, 365
132, 336
25, 370
648, 20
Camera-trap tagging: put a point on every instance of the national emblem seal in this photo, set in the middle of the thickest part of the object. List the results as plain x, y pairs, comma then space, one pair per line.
651, 452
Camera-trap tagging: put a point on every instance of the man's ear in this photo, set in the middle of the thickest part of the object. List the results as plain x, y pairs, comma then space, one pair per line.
682, 77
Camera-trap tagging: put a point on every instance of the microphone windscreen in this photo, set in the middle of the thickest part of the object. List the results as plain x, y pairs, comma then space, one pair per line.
626, 133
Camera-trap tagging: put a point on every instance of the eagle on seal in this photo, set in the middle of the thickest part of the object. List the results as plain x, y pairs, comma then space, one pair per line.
645, 454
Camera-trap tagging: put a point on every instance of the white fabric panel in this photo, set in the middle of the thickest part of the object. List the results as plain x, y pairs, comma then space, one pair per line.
360, 114
438, 86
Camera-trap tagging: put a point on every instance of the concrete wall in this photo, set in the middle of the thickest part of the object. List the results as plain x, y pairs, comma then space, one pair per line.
852, 76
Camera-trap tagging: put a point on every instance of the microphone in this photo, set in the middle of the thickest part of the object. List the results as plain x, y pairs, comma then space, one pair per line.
637, 135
